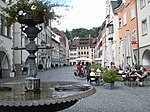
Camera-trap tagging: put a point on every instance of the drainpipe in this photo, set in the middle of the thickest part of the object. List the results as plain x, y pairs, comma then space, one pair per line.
37, 51
21, 46
50, 43
137, 33
13, 59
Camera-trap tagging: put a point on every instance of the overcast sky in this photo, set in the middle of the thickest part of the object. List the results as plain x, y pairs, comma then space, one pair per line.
83, 14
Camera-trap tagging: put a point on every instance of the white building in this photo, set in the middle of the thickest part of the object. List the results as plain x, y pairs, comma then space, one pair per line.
143, 8
104, 45
63, 47
73, 53
113, 35
81, 47
6, 39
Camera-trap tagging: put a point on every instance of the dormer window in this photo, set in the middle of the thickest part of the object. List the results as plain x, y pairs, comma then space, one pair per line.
142, 3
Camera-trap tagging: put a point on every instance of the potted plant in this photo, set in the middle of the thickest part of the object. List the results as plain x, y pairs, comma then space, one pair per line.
137, 66
110, 77
95, 67
31, 10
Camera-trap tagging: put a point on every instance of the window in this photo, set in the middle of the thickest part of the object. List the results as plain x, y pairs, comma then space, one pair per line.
72, 50
8, 1
142, 3
124, 19
124, 1
71, 58
127, 2
144, 27
9, 31
127, 36
111, 29
120, 22
134, 35
2, 25
132, 11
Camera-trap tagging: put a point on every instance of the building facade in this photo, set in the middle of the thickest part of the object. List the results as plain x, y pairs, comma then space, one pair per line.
81, 47
99, 48
128, 29
6, 43
63, 48
143, 7
73, 53
114, 39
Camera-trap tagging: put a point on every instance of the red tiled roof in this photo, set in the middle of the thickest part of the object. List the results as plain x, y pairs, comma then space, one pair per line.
60, 33
83, 42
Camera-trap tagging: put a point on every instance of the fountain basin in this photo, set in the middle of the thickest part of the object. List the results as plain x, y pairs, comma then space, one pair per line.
53, 96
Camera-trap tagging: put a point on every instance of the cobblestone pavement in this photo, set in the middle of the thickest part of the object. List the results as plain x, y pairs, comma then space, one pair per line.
121, 99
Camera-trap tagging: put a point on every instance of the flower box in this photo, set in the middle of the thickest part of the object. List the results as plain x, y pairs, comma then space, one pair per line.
29, 20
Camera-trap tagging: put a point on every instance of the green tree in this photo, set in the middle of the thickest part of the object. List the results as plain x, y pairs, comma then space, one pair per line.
82, 33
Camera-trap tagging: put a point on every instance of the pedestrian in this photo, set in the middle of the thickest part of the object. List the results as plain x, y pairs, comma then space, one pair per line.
87, 71
14, 71
79, 67
92, 75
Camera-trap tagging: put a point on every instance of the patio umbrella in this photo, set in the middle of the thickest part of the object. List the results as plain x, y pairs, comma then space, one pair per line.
84, 59
98, 60
128, 52
121, 56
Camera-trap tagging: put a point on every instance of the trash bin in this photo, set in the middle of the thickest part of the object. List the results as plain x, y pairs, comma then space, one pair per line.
13, 72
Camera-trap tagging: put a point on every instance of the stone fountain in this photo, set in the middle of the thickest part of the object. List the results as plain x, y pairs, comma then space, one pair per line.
32, 94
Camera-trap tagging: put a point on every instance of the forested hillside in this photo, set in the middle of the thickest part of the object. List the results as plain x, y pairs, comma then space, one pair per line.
82, 32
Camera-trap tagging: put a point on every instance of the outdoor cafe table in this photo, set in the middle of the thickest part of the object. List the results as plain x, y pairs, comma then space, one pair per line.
131, 79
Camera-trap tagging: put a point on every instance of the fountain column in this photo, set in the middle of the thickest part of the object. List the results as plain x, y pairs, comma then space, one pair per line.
32, 83
31, 30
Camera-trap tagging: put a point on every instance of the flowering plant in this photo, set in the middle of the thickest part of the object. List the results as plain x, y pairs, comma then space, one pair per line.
28, 7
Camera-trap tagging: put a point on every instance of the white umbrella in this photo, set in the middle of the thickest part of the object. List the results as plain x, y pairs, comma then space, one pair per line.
121, 61
98, 59
128, 52
84, 59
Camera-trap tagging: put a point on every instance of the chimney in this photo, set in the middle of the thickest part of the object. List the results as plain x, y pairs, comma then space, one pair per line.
89, 35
